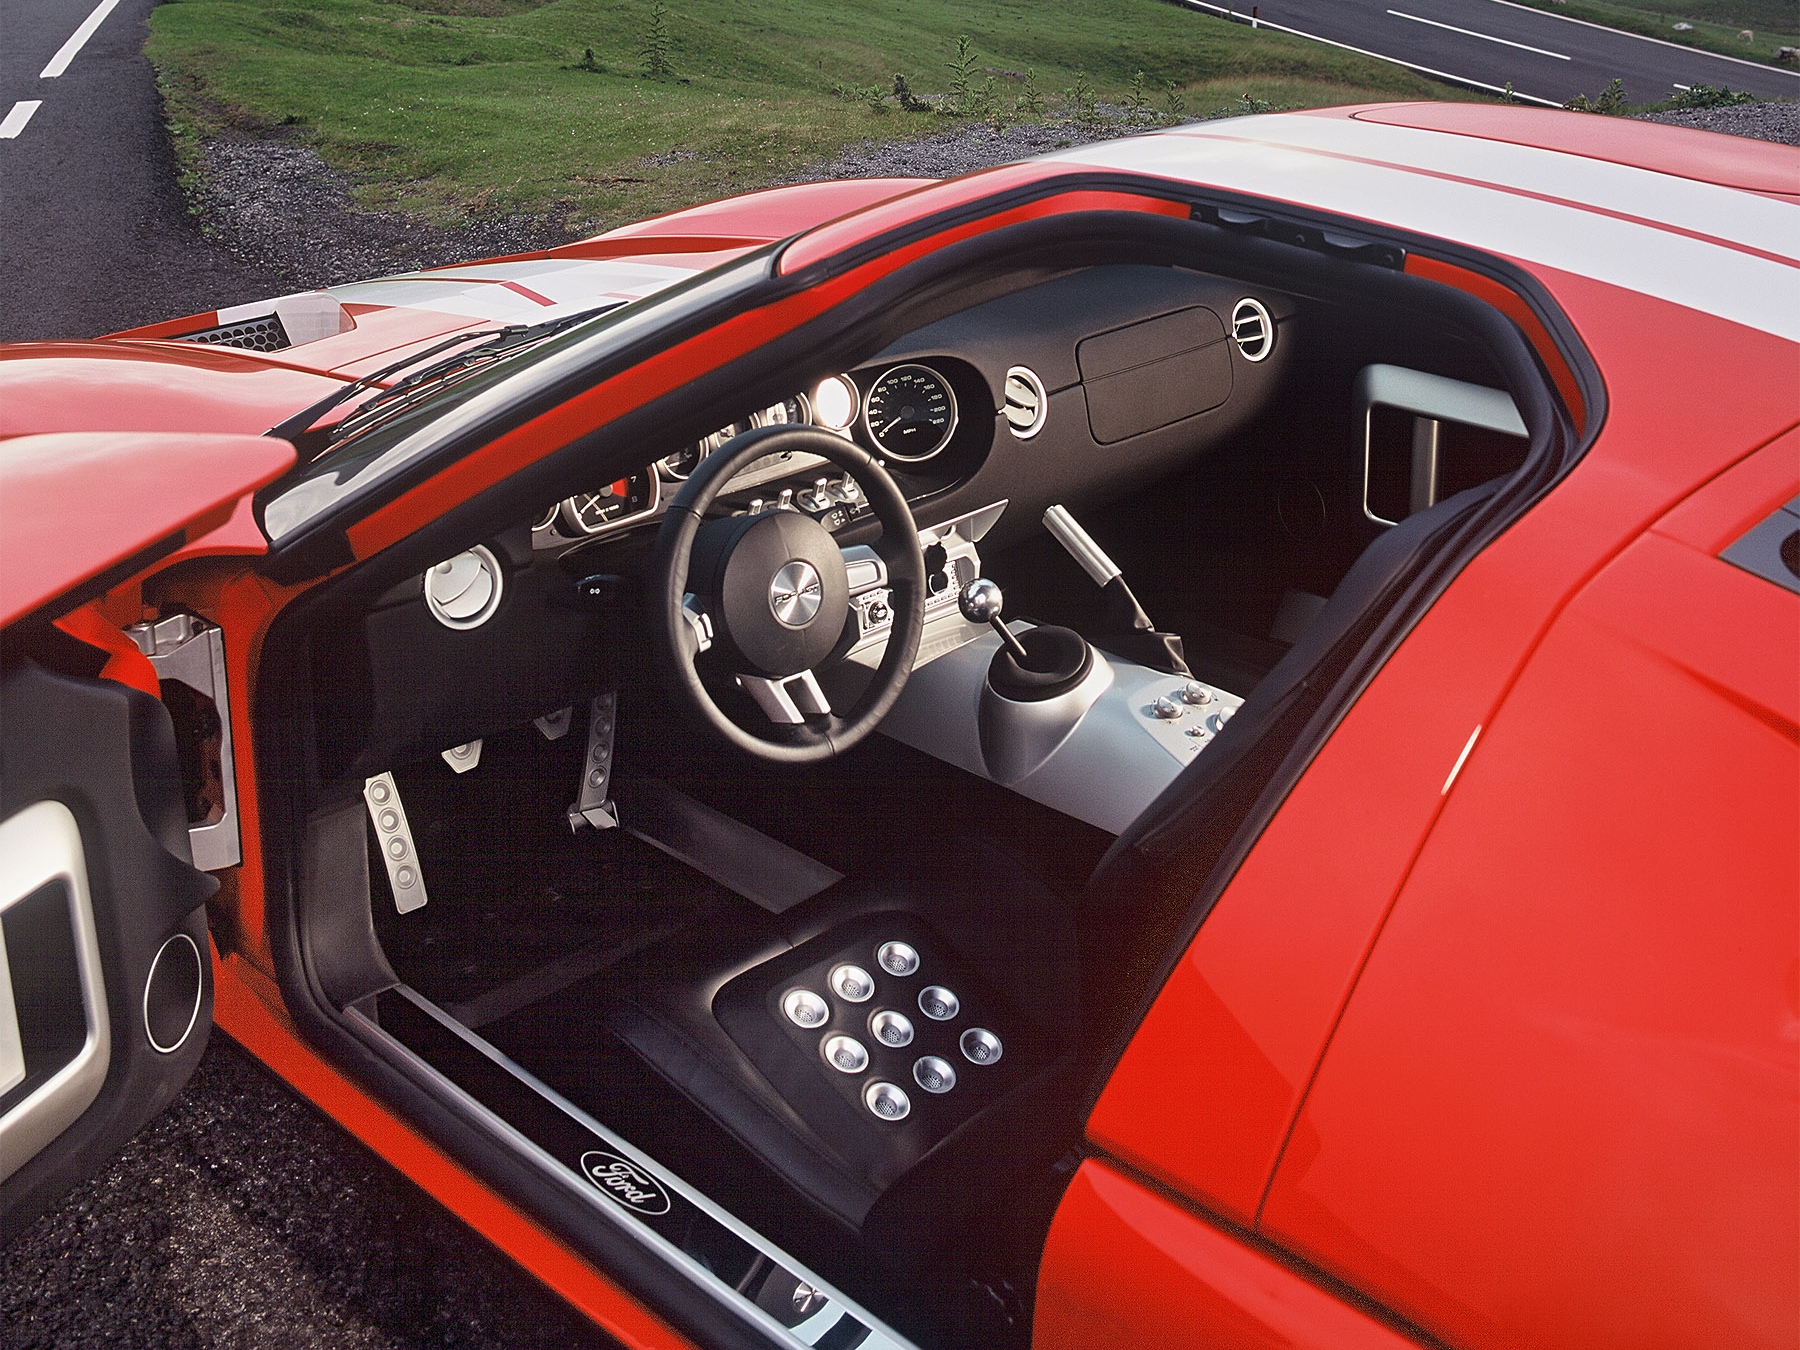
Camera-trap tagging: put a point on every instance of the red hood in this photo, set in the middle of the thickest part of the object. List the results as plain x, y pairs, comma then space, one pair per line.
164, 386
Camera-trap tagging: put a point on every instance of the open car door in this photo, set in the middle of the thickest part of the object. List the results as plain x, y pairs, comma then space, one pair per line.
105, 960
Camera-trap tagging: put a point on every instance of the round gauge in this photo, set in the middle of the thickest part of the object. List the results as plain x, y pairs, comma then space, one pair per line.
591, 512
789, 412
685, 460
910, 413
834, 403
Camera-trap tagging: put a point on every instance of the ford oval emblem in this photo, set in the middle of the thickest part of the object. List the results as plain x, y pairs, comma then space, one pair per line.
625, 1182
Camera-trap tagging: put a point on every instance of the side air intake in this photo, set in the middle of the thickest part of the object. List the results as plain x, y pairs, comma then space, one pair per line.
1252, 329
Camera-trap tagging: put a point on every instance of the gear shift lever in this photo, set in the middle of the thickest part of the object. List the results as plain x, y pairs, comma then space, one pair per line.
981, 602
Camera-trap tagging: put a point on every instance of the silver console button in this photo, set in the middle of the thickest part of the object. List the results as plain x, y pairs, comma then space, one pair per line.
846, 1054
887, 1101
897, 958
1215, 722
1195, 693
1165, 708
981, 1046
934, 1074
851, 983
938, 1003
891, 1028
804, 1008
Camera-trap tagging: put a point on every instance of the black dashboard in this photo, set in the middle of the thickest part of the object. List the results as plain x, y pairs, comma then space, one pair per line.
1079, 389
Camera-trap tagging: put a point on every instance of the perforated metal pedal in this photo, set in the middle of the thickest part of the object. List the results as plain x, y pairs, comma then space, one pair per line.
405, 877
593, 807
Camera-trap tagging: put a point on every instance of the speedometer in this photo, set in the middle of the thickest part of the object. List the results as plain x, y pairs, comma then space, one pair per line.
910, 413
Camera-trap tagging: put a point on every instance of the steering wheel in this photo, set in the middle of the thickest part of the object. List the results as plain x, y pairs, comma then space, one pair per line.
768, 598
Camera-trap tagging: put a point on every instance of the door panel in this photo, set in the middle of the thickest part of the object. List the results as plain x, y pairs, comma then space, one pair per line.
105, 973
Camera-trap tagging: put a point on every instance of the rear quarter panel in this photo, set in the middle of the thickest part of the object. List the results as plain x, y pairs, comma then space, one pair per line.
1561, 1107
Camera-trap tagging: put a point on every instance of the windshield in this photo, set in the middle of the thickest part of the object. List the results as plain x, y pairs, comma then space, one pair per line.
476, 386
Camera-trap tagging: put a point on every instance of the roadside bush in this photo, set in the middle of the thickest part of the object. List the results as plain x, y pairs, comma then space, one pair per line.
1706, 96
1611, 100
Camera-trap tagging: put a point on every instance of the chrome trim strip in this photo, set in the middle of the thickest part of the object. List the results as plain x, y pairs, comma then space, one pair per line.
191, 651
39, 844
807, 1333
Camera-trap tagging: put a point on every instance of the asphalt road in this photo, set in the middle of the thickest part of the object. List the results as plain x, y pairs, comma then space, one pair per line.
1488, 43
94, 232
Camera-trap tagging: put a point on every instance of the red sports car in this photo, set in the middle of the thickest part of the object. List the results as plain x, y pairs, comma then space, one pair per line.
1196, 741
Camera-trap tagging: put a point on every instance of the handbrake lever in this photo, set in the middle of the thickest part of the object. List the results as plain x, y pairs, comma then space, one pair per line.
1137, 637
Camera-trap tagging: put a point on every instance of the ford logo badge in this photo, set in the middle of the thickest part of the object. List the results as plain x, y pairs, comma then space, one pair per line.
625, 1182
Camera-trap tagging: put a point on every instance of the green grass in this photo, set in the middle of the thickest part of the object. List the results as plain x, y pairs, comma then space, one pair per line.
1774, 23
445, 106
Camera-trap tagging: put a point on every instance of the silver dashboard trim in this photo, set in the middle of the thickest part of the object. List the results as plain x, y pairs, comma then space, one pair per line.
38, 844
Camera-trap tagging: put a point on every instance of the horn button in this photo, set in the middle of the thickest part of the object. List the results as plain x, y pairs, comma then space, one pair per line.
782, 596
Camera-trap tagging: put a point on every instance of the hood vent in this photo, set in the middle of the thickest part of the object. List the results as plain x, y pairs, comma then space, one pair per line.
1252, 329
1026, 402
291, 321
254, 335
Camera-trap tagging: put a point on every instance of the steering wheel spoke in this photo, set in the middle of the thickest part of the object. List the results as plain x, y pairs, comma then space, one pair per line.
790, 701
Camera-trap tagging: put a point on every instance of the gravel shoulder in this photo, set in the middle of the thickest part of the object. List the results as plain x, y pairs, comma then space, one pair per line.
277, 209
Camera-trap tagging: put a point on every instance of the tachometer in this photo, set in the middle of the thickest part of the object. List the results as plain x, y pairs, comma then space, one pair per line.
591, 512
910, 413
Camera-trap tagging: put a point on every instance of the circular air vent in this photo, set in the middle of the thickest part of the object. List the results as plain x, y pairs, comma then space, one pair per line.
465, 591
1026, 402
1252, 329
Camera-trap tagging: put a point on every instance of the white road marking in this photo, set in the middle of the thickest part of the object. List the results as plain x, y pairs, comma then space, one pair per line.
1661, 42
14, 121
77, 40
1460, 760
1470, 32
1463, 80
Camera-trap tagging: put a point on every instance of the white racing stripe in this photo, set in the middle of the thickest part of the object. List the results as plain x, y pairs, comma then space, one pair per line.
1470, 32
1740, 287
476, 289
17, 116
77, 40
1745, 218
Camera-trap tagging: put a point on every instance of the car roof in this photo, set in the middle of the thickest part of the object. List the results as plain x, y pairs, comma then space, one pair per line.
1491, 182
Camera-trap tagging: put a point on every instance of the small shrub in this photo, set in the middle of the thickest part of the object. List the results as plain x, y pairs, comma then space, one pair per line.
1174, 103
589, 64
1083, 101
1137, 103
655, 51
1029, 105
1247, 105
966, 98
904, 96
1611, 100
1706, 96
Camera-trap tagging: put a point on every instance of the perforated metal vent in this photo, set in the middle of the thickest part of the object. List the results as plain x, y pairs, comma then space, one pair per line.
257, 335
1252, 329
1026, 403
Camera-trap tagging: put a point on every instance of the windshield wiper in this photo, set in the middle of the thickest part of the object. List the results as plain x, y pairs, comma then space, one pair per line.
490, 344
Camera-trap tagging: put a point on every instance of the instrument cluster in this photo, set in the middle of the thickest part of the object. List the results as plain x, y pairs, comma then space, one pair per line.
906, 414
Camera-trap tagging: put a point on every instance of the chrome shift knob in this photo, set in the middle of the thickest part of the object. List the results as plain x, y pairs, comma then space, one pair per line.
981, 601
